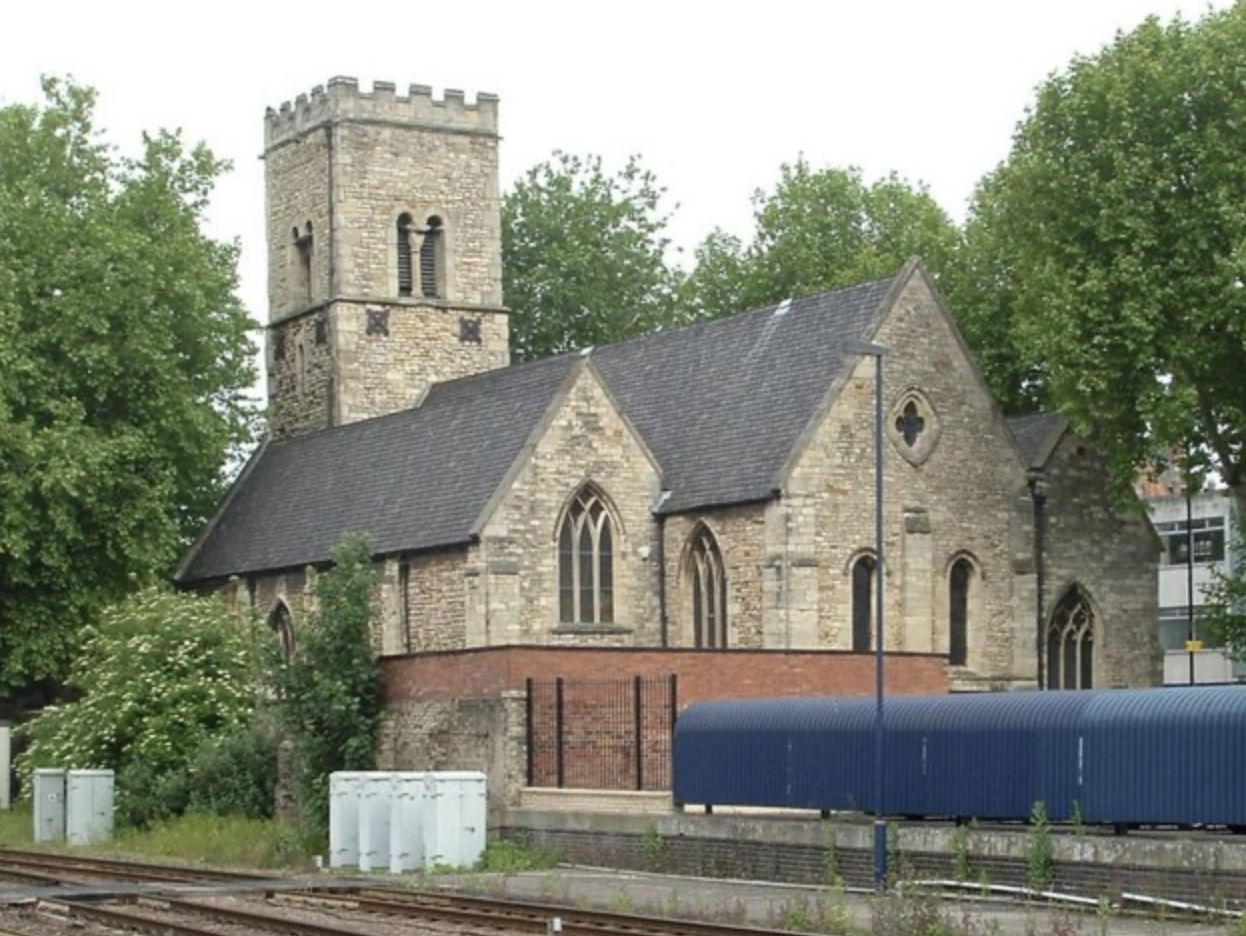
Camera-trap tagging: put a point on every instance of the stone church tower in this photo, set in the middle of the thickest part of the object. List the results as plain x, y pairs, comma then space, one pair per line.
384, 251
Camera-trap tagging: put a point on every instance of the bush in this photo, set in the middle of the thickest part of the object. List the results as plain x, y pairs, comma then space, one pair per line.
160, 675
234, 774
330, 698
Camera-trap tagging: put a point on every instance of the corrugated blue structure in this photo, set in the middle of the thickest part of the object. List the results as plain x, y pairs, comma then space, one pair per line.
1125, 757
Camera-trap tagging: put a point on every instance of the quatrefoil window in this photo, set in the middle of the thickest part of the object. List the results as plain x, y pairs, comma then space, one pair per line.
910, 424
914, 426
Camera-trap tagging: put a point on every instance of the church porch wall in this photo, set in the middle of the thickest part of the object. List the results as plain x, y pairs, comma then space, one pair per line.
1113, 553
741, 535
966, 497
585, 441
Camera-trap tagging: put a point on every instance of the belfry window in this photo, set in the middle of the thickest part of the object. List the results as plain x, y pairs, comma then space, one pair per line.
586, 561
960, 581
432, 260
1071, 643
863, 604
707, 578
406, 273
304, 244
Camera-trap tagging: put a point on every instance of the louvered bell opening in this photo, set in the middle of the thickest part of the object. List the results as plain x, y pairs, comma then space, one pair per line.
430, 255
406, 281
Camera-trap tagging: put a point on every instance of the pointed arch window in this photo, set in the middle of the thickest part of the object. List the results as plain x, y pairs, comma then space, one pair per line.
406, 271
1071, 643
707, 581
432, 259
586, 548
960, 584
863, 604
282, 625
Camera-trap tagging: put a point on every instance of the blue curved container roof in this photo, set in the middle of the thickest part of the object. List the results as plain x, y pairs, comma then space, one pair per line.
1174, 755
987, 755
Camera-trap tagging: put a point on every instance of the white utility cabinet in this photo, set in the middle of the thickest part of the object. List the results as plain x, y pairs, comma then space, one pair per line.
88, 806
6, 766
408, 820
345, 791
456, 817
49, 795
375, 804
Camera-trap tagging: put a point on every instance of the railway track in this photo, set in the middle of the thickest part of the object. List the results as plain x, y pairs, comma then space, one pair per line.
305, 911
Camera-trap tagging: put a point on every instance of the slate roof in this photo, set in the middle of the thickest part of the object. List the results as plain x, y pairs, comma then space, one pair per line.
721, 406
413, 480
1037, 436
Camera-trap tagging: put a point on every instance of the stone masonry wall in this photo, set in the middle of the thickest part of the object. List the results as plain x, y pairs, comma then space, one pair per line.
389, 354
741, 536
1113, 554
968, 497
351, 163
587, 441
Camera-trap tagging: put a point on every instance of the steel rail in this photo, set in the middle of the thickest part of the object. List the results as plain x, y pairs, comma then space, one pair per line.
125, 868
134, 922
266, 922
528, 916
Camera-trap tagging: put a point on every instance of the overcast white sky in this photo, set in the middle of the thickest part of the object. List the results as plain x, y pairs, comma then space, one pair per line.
713, 96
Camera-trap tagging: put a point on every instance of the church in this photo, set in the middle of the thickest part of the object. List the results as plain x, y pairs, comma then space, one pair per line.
706, 490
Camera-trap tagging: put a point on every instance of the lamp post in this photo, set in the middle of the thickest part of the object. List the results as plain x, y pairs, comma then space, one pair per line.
878, 353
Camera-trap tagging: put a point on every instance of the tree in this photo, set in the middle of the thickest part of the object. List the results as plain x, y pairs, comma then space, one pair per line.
819, 229
159, 676
330, 696
584, 256
124, 359
1120, 218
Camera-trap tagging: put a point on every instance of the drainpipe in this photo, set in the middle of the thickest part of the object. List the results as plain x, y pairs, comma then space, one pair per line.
660, 558
1038, 494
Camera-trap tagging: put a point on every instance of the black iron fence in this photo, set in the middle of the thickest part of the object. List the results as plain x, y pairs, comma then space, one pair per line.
601, 734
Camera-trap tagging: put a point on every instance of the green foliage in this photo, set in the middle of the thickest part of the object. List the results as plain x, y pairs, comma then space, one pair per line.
1110, 246
511, 855
330, 692
160, 674
960, 854
819, 229
584, 256
227, 841
1224, 604
1038, 860
124, 359
235, 774
654, 849
17, 825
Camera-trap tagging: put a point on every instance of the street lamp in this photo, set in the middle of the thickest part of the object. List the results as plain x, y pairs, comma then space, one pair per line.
878, 353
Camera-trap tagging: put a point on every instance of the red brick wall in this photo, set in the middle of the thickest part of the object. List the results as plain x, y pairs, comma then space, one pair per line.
703, 674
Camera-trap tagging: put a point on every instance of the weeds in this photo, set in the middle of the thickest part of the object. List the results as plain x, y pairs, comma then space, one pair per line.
511, 855
960, 853
653, 848
1038, 849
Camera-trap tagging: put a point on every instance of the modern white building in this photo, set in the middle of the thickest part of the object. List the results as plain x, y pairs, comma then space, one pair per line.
1212, 517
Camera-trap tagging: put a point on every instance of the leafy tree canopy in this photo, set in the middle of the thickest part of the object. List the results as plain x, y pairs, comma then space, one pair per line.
124, 360
583, 256
819, 229
159, 675
1118, 228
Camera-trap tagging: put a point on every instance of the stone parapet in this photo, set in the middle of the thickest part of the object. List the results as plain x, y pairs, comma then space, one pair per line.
343, 101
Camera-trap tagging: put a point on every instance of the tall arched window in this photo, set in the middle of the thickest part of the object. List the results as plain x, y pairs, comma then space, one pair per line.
707, 581
863, 604
406, 272
282, 624
1071, 642
960, 582
586, 561
432, 260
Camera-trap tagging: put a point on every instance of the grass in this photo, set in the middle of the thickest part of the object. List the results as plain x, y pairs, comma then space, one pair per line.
227, 841
16, 826
509, 856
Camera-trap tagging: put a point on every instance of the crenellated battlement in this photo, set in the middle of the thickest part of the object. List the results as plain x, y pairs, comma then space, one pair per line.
342, 100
